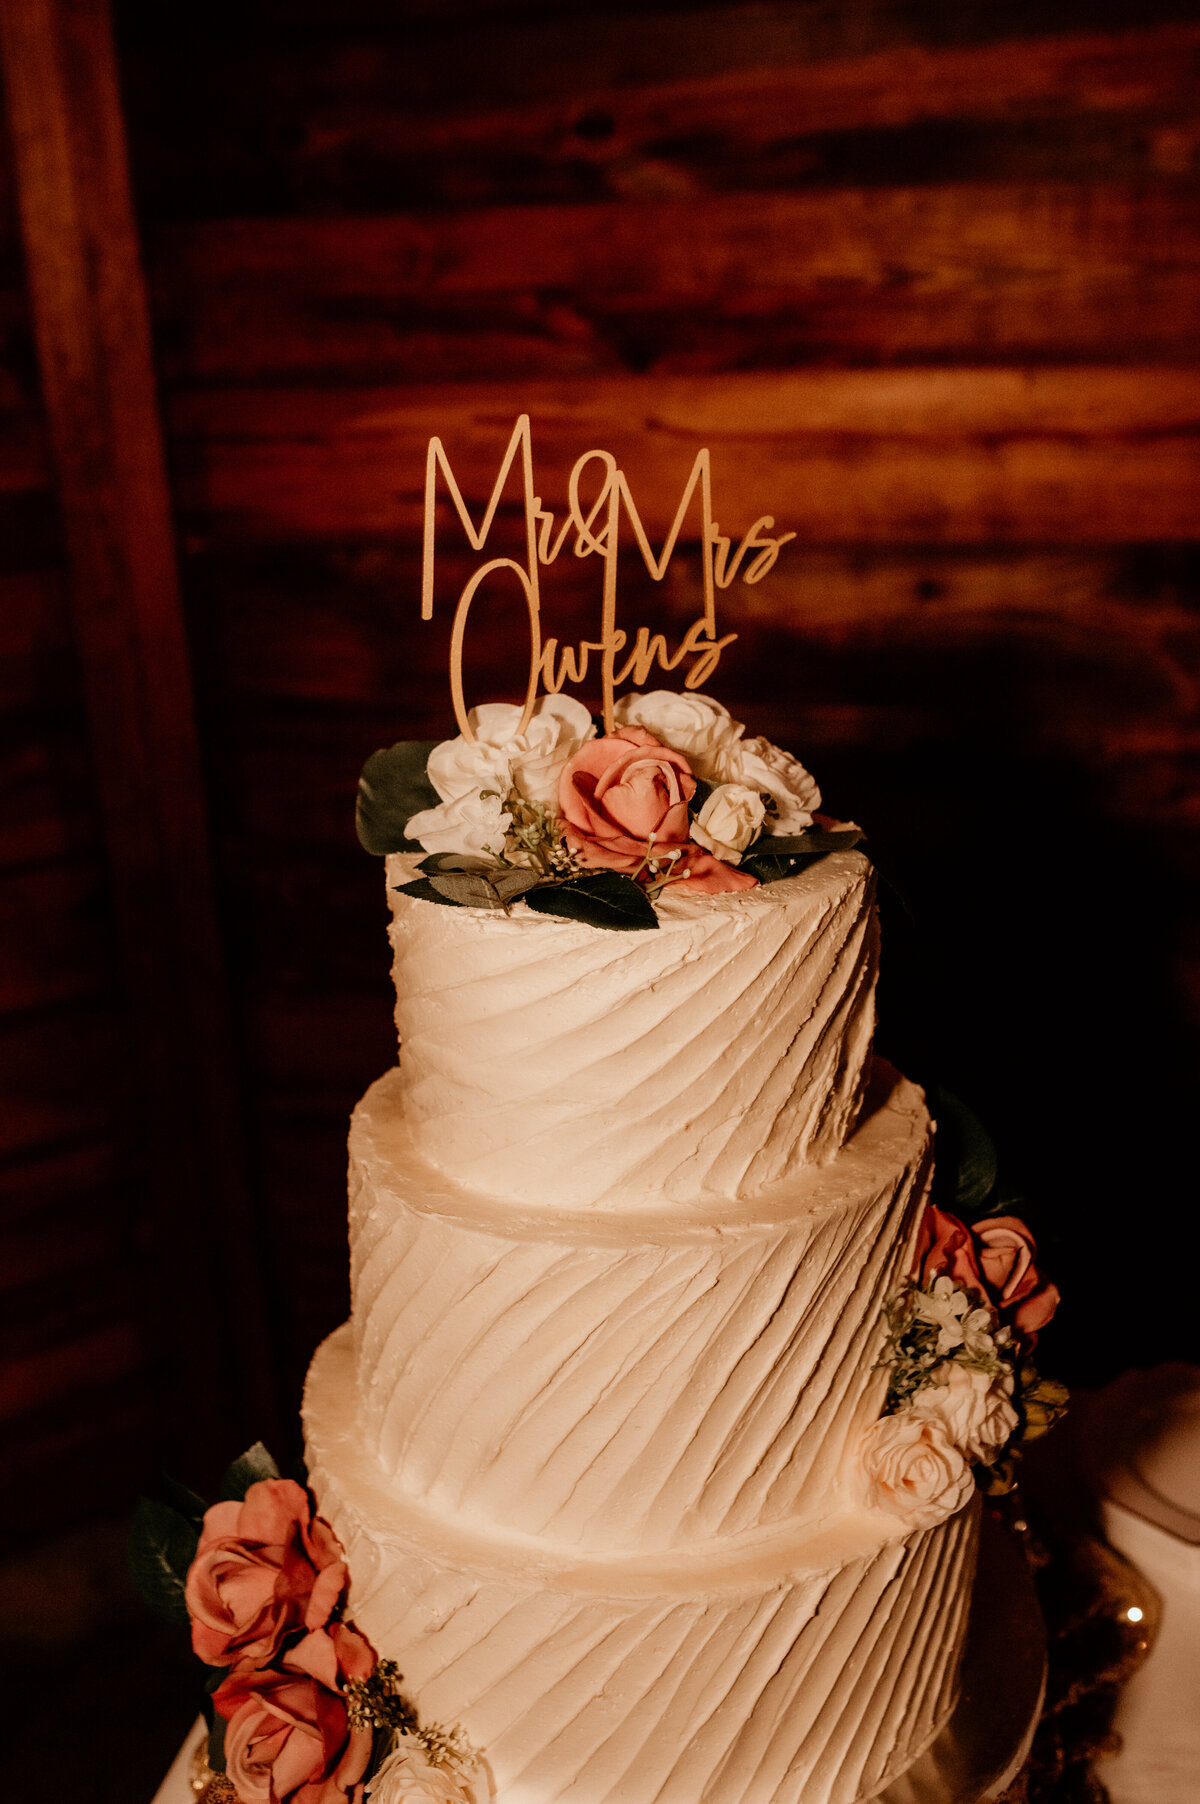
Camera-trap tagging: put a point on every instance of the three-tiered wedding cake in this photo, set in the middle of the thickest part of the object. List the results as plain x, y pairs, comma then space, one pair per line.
624, 1223
647, 1461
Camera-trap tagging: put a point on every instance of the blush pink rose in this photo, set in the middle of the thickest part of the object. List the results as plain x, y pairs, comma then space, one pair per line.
994, 1261
624, 798
288, 1738
263, 1568
1006, 1251
945, 1250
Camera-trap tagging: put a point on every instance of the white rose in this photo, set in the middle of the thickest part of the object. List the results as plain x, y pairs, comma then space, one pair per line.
729, 820
913, 1470
501, 758
975, 1409
474, 824
763, 766
408, 1776
456, 768
557, 728
695, 725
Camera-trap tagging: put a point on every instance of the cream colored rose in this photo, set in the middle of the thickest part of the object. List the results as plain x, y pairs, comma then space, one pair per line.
729, 821
475, 824
558, 727
975, 1409
763, 766
695, 725
408, 1776
456, 768
501, 758
913, 1469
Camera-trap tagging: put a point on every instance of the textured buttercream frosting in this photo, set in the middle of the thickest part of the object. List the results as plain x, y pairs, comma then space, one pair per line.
656, 1379
552, 1063
790, 1670
624, 1219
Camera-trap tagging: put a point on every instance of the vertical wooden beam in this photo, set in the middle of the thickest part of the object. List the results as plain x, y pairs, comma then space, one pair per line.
91, 322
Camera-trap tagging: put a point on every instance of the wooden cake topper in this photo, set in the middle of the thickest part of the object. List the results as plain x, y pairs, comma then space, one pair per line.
596, 533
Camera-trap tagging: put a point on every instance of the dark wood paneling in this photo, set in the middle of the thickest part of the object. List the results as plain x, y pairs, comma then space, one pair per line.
1037, 272
1077, 456
927, 280
88, 309
638, 102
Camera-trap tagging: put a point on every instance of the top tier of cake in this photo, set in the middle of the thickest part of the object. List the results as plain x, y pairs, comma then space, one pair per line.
560, 1065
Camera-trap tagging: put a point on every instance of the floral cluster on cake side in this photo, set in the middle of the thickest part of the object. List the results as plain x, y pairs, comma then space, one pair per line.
595, 826
963, 1390
300, 1708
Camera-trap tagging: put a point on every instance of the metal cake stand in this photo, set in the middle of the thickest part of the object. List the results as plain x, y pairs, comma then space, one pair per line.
986, 1741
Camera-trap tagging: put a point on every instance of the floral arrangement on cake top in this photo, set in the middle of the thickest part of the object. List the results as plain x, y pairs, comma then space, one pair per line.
963, 1391
300, 1709
590, 826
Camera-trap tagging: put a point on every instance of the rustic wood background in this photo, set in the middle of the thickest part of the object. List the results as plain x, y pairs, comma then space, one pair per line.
926, 279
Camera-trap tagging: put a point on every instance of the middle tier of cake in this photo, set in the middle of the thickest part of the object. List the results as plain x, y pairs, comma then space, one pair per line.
660, 1379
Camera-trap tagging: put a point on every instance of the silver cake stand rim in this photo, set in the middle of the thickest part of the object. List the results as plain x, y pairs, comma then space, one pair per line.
985, 1742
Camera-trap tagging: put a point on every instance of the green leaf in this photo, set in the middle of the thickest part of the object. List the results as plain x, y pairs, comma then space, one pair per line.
515, 882
601, 899
703, 791
422, 888
965, 1142
438, 862
382, 1743
770, 867
777, 855
453, 888
183, 1500
803, 845
393, 787
162, 1545
466, 889
216, 1742
255, 1464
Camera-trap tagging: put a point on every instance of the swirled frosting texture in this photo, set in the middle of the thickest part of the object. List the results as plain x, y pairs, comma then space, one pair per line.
665, 1379
559, 1065
789, 1673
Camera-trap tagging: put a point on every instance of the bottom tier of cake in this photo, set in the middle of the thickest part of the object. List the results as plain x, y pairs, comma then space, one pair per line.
796, 1667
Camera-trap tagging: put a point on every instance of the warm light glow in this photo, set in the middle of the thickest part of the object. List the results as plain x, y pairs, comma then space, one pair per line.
1133, 1614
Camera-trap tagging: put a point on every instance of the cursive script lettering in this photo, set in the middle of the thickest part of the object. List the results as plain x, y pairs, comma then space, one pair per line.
593, 530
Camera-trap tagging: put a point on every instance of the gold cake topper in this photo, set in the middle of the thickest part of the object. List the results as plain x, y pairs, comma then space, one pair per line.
596, 530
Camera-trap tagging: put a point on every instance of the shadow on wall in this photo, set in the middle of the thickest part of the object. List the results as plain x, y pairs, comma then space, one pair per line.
1033, 947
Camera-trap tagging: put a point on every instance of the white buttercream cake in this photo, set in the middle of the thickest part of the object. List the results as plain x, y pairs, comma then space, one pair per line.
623, 1223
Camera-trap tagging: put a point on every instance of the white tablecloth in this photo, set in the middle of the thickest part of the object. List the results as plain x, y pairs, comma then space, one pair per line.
1158, 1715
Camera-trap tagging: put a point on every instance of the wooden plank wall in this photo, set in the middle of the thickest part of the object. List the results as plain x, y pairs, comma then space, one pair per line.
78, 1404
925, 277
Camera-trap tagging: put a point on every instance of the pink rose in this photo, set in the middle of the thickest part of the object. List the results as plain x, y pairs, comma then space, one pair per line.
624, 799
288, 1739
994, 1261
264, 1567
945, 1250
1006, 1251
